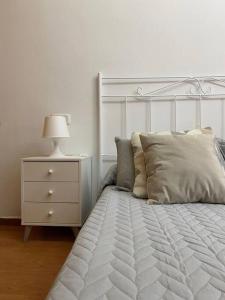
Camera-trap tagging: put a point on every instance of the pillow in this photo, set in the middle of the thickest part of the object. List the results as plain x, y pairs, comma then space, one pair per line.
140, 188
109, 178
125, 164
183, 169
221, 146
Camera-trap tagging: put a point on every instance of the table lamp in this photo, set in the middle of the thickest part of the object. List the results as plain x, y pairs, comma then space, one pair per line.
56, 128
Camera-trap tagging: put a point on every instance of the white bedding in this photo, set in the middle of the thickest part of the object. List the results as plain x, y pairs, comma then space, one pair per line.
130, 250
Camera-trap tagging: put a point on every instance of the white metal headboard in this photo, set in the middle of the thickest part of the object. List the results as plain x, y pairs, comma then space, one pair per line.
129, 104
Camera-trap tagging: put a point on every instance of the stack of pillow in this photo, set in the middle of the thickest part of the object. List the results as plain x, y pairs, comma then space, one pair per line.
168, 167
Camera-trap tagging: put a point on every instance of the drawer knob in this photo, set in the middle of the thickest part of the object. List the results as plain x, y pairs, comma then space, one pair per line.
50, 213
50, 192
50, 171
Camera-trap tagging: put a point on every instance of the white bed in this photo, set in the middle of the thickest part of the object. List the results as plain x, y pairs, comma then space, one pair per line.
128, 249
131, 250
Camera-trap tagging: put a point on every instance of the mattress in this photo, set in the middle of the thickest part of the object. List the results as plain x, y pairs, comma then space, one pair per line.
128, 249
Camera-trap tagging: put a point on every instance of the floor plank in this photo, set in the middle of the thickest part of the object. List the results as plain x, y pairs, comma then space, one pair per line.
28, 269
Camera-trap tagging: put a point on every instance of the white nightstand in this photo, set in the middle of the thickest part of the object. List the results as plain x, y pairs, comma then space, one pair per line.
55, 192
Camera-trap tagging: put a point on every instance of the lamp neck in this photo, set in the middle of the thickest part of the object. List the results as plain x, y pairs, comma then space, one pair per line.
56, 148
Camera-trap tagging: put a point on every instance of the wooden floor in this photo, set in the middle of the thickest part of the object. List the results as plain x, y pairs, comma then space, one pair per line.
27, 270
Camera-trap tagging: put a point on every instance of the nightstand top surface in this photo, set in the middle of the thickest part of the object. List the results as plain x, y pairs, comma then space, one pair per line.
48, 158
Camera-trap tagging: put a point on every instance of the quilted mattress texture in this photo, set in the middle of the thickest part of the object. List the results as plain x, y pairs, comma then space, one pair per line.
128, 249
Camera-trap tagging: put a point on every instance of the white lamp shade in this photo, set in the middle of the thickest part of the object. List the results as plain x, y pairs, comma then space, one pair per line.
55, 126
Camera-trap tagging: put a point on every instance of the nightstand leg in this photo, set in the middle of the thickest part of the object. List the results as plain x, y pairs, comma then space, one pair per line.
75, 231
27, 232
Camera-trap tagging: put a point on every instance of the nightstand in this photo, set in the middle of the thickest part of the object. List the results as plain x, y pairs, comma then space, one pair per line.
55, 192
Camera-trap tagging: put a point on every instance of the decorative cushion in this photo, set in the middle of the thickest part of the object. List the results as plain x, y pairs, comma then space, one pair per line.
221, 146
109, 178
140, 188
183, 169
125, 164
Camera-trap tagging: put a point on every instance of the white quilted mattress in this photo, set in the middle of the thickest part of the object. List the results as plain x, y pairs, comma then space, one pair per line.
130, 250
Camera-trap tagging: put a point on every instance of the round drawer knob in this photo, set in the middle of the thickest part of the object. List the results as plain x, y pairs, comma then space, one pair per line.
50, 192
50, 213
50, 171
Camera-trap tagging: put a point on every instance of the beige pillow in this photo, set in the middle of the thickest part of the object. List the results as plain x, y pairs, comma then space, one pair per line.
183, 169
140, 187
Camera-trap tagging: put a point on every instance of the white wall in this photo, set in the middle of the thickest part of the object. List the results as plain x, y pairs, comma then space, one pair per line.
52, 50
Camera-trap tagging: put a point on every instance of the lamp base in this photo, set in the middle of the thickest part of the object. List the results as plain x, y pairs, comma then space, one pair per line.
56, 150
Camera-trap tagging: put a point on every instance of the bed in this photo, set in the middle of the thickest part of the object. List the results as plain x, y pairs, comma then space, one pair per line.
131, 250
128, 249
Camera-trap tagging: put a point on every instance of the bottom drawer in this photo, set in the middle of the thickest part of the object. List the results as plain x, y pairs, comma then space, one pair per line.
52, 213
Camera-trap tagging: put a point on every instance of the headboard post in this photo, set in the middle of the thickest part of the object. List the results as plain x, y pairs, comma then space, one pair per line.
99, 129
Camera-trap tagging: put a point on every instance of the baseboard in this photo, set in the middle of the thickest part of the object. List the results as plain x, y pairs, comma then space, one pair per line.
10, 217
15, 220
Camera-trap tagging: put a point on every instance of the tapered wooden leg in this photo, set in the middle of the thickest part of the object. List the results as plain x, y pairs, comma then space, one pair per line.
27, 232
75, 231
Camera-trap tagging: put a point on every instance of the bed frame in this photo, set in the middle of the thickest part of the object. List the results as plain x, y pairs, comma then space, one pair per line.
128, 104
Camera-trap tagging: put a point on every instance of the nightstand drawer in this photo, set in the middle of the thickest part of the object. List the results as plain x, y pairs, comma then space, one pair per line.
51, 171
51, 191
55, 213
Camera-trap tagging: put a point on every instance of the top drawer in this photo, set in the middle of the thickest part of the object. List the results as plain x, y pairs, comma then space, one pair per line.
51, 171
